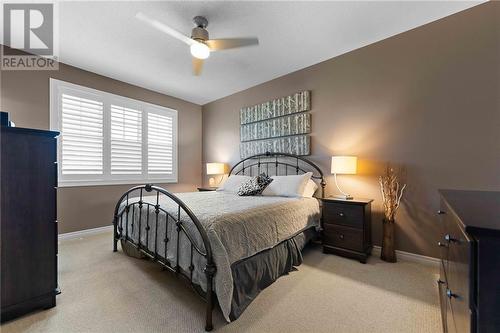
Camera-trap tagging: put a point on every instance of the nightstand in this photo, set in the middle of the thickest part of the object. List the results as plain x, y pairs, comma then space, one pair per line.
205, 189
346, 227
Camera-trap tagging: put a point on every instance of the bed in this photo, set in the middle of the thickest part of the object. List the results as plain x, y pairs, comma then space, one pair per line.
228, 247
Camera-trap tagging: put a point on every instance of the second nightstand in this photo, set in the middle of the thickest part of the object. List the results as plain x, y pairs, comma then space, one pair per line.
205, 189
346, 227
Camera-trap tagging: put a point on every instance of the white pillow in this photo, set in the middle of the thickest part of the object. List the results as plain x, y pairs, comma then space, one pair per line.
287, 186
310, 188
233, 183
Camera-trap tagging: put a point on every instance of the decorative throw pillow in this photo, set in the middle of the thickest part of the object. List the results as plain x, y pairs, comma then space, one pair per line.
254, 186
263, 180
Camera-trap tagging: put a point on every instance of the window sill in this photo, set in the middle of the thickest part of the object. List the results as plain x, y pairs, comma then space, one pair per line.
62, 184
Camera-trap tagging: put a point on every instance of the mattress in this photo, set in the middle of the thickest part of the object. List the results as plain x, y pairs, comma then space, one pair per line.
237, 227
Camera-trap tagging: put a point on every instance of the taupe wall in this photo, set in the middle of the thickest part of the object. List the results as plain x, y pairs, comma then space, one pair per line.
25, 95
427, 99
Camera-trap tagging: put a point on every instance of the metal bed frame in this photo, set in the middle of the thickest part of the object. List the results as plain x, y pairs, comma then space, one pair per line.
262, 163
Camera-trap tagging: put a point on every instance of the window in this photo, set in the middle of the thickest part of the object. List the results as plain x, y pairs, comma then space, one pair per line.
82, 124
126, 141
160, 136
110, 139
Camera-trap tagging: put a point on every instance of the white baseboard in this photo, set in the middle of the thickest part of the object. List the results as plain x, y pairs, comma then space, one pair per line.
405, 256
412, 257
86, 232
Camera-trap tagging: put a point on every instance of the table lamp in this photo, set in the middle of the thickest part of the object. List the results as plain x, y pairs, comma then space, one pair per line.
215, 169
343, 165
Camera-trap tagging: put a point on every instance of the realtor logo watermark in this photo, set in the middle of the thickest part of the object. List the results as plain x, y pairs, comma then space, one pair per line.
29, 30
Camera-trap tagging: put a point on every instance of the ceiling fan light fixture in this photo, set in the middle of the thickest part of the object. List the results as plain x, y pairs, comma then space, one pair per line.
200, 50
200, 44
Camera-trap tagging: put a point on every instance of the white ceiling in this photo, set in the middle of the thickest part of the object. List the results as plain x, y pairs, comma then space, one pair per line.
105, 38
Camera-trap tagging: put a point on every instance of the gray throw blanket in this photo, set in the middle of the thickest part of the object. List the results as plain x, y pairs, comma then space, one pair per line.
237, 227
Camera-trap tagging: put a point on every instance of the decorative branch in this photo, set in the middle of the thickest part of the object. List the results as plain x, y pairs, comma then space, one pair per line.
401, 194
392, 192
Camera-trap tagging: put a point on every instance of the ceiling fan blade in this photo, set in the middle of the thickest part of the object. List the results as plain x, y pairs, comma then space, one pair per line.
164, 28
231, 43
197, 66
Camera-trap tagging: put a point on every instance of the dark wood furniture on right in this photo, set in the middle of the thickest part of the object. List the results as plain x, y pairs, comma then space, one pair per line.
346, 227
28, 220
469, 283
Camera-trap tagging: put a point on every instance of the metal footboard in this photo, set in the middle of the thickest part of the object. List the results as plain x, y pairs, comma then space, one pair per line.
122, 222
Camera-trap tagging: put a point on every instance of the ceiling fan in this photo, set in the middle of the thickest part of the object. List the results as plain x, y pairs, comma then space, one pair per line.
199, 42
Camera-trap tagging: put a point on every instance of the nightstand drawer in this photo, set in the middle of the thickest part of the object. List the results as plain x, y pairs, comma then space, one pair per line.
344, 237
341, 213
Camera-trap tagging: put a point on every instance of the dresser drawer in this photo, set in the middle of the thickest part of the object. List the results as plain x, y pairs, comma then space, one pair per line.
456, 266
457, 274
344, 237
443, 269
443, 302
450, 231
345, 214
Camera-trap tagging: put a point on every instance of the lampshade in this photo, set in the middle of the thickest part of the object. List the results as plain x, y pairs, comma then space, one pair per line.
216, 168
344, 165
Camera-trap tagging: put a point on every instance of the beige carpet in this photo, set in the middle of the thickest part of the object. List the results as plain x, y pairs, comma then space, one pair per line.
104, 291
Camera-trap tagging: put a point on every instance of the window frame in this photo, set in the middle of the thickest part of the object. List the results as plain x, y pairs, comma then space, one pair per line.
58, 87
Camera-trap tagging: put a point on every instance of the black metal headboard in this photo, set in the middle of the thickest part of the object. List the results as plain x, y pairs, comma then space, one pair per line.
278, 164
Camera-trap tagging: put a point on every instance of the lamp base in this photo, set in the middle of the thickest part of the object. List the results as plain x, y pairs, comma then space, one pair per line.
343, 196
211, 182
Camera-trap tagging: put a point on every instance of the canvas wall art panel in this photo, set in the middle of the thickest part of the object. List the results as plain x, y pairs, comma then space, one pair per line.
295, 103
297, 145
281, 125
277, 127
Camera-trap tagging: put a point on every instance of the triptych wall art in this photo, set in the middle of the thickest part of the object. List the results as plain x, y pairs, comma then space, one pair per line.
279, 126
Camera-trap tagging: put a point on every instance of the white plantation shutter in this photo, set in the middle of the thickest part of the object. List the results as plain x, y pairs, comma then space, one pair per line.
110, 139
160, 144
126, 141
82, 136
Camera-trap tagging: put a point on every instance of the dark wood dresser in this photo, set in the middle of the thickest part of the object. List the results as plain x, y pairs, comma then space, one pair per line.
346, 226
28, 220
469, 283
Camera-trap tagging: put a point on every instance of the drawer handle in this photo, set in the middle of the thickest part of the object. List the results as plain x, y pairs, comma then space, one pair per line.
442, 244
440, 281
449, 239
341, 214
441, 212
341, 236
450, 294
